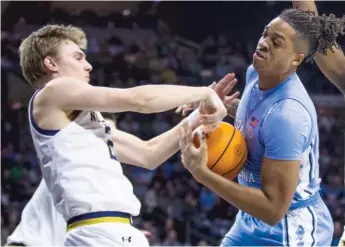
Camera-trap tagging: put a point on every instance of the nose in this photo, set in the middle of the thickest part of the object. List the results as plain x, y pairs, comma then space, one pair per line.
263, 45
88, 67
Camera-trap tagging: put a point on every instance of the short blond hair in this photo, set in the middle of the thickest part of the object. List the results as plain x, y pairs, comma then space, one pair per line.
42, 43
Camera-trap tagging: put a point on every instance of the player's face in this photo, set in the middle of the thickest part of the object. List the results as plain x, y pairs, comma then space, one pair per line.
71, 61
275, 52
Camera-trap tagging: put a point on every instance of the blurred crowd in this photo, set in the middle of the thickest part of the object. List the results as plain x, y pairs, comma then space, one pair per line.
176, 209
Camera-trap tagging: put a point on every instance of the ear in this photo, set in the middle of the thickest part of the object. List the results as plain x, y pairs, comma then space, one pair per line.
298, 59
50, 64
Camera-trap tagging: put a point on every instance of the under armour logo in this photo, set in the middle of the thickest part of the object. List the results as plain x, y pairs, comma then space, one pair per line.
129, 239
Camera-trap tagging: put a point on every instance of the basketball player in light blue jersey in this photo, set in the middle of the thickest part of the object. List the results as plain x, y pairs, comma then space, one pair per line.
332, 64
278, 191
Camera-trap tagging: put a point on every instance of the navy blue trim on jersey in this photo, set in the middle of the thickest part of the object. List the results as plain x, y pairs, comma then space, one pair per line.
32, 120
93, 215
286, 230
311, 160
314, 224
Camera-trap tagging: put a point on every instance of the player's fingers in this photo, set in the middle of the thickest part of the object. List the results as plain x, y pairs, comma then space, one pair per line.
221, 85
179, 109
213, 85
186, 110
214, 118
229, 87
229, 99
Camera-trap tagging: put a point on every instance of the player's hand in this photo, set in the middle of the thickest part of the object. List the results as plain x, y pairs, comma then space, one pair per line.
305, 5
214, 114
225, 86
222, 88
184, 109
193, 159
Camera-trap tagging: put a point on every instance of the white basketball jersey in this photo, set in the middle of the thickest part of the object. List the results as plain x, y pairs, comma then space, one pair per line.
40, 224
80, 168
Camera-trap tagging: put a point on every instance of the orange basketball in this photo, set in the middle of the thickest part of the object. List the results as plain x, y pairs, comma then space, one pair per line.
227, 150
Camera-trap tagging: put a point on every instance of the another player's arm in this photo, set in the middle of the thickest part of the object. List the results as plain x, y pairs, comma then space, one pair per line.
279, 171
332, 64
271, 202
71, 94
149, 154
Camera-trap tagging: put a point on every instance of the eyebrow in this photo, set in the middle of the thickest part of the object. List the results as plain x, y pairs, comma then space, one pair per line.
278, 34
79, 53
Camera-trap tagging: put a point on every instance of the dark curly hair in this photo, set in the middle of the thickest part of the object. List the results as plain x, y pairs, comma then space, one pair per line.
320, 30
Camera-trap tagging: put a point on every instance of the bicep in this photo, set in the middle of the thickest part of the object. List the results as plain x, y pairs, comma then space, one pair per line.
129, 149
279, 179
72, 94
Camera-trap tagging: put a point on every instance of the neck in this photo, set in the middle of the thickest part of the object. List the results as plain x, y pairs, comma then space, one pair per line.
269, 81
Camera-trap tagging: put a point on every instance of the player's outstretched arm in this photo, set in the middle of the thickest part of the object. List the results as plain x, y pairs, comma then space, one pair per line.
279, 172
71, 94
152, 153
332, 64
149, 154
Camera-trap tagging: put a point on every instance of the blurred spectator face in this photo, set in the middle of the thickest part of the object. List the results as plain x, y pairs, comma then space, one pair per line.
172, 236
70, 61
277, 53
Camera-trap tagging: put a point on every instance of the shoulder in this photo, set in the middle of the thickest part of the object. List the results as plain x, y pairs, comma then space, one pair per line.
288, 109
288, 115
55, 90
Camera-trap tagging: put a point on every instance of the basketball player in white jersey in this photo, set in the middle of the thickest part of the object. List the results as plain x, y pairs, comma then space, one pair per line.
332, 64
75, 146
41, 224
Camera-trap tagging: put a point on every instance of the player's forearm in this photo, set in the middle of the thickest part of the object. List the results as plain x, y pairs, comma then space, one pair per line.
165, 145
250, 200
232, 109
332, 66
160, 98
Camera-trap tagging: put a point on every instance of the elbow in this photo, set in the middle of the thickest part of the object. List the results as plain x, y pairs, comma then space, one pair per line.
150, 164
272, 221
274, 217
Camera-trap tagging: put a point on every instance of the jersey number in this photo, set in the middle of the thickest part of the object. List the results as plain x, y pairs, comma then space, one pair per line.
110, 144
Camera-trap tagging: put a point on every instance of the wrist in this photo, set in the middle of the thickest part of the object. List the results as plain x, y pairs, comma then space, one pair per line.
201, 174
194, 119
209, 94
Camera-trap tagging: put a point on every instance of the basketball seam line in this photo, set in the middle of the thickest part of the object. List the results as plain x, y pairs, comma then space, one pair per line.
229, 142
244, 155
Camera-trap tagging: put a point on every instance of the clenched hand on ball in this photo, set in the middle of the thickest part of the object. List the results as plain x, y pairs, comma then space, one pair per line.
193, 158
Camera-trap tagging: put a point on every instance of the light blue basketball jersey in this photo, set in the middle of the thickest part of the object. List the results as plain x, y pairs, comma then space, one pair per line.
281, 124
